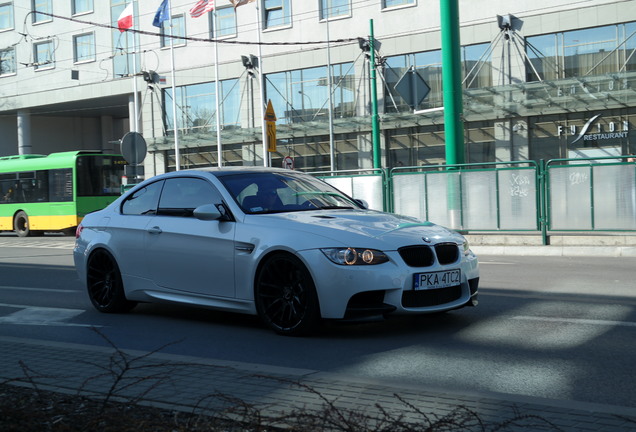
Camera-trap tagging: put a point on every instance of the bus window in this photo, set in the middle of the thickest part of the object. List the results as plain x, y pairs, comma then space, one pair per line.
99, 176
61, 185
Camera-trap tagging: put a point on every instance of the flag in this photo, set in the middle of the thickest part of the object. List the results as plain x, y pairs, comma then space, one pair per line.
163, 14
201, 7
238, 3
125, 20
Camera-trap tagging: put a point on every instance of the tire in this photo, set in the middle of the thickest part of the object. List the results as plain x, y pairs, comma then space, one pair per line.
285, 296
21, 224
104, 284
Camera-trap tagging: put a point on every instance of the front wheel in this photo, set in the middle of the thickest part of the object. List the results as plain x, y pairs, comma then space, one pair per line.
285, 296
104, 283
21, 224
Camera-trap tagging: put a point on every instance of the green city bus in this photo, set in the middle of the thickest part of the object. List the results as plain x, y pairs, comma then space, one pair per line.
53, 193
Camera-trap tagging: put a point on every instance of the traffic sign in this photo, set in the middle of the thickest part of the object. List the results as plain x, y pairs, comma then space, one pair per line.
288, 162
412, 87
271, 136
133, 148
270, 115
270, 125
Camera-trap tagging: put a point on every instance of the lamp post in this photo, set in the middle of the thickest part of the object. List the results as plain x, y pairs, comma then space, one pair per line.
311, 104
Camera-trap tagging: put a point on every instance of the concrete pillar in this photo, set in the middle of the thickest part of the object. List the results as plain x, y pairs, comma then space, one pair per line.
24, 132
107, 134
503, 142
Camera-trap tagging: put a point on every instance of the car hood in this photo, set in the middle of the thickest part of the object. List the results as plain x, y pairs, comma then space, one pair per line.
352, 227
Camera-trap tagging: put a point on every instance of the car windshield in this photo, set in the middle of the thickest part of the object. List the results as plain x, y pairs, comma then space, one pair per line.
279, 192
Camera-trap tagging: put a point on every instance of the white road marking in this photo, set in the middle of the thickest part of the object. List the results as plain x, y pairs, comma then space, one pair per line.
34, 315
52, 244
577, 321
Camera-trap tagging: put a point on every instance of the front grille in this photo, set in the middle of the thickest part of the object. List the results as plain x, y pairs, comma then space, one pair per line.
434, 297
447, 253
424, 256
417, 256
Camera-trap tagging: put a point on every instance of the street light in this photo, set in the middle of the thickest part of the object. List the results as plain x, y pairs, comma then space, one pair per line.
311, 104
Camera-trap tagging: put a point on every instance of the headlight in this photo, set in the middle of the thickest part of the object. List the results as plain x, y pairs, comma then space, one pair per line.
351, 256
466, 247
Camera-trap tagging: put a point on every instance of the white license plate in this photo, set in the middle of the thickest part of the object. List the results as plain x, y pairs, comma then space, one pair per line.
436, 280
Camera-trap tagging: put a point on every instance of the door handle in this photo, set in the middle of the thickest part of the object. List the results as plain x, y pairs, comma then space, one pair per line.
154, 230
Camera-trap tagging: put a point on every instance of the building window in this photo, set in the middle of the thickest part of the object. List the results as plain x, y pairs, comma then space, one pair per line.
334, 8
302, 95
40, 6
43, 55
395, 3
476, 68
178, 31
82, 6
225, 24
7, 62
580, 53
6, 16
277, 13
197, 107
84, 47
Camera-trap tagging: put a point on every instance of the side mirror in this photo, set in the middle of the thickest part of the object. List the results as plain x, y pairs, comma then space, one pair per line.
362, 203
207, 212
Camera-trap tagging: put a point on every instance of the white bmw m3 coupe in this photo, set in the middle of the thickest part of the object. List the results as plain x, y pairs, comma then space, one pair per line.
277, 243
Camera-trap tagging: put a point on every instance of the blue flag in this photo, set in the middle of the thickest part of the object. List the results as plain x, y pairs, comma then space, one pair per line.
163, 14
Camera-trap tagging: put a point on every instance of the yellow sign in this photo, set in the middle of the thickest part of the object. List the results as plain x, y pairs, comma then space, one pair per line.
270, 115
270, 124
271, 136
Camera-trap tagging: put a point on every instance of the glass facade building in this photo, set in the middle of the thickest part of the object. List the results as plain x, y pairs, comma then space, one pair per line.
550, 80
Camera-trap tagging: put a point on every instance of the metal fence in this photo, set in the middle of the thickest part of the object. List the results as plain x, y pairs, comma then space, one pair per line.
561, 195
585, 195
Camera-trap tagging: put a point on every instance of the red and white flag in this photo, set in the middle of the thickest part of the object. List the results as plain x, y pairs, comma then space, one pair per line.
201, 7
125, 20
238, 3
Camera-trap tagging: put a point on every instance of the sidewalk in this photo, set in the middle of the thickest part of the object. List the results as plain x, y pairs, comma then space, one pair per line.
589, 244
183, 383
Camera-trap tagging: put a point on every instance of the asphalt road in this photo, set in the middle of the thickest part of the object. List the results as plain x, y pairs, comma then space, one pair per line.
554, 327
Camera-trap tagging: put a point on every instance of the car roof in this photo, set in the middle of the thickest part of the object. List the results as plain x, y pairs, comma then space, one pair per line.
230, 170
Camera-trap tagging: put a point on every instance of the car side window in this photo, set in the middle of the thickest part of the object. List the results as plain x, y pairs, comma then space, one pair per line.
143, 201
181, 195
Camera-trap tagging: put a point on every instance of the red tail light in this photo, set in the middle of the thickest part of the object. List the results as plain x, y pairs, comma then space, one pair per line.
78, 231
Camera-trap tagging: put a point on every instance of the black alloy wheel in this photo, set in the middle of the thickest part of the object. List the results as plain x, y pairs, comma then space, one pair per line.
104, 283
286, 297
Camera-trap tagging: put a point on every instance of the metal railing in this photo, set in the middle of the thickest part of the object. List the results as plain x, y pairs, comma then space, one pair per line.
562, 194
590, 194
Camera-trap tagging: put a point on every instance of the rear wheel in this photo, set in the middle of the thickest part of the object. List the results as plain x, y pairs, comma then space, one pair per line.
286, 297
105, 286
21, 224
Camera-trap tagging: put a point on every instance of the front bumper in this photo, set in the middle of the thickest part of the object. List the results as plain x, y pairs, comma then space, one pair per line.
358, 291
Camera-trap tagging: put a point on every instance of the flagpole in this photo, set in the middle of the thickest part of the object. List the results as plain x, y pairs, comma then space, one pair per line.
216, 85
177, 156
135, 122
332, 150
262, 89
